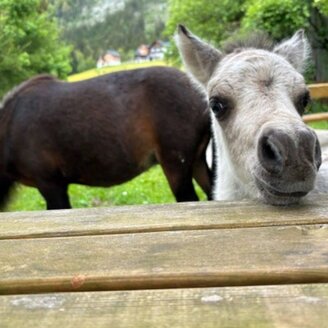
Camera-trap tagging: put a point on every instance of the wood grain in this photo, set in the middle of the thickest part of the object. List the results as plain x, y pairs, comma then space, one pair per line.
203, 258
155, 218
318, 90
256, 306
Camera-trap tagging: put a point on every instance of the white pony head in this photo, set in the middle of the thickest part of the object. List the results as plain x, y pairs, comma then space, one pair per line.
257, 97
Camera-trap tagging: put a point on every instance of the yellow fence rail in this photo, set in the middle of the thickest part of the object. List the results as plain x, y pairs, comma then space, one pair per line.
317, 91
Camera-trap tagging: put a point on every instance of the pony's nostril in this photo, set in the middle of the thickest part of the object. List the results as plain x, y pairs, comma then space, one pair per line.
270, 155
269, 152
310, 148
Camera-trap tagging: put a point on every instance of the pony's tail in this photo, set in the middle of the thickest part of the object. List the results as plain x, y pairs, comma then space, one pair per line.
6, 185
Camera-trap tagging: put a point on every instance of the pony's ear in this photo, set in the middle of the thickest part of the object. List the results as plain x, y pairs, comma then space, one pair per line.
296, 50
199, 57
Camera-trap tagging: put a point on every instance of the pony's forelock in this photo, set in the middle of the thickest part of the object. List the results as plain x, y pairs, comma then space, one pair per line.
256, 40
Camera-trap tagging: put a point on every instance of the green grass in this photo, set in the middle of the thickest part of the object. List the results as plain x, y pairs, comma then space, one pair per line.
151, 187
319, 125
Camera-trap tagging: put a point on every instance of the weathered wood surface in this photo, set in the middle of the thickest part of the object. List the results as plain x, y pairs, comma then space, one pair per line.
256, 306
156, 218
318, 90
117, 264
168, 259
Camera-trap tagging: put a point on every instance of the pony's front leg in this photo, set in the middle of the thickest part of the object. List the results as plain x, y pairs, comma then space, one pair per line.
55, 195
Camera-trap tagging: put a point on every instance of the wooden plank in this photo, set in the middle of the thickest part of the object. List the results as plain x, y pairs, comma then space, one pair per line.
315, 117
204, 258
318, 90
259, 306
152, 218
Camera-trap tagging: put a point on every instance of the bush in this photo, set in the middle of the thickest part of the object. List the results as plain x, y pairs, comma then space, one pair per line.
29, 42
322, 5
208, 19
279, 18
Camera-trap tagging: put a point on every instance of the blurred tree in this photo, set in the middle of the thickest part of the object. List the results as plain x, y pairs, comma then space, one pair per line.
94, 26
29, 43
322, 6
318, 34
281, 18
217, 21
211, 20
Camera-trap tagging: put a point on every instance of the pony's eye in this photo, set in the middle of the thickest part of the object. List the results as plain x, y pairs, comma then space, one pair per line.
303, 101
219, 106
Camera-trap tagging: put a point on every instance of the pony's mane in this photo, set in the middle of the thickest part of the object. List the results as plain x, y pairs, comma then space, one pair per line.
256, 40
23, 86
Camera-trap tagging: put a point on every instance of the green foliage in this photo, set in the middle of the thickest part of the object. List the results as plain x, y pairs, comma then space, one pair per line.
280, 18
322, 5
81, 62
29, 43
208, 19
317, 106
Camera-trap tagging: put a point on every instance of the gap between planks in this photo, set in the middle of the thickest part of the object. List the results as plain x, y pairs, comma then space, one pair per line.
157, 218
140, 283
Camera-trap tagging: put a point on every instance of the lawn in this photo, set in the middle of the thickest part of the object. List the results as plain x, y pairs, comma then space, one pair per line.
319, 125
150, 187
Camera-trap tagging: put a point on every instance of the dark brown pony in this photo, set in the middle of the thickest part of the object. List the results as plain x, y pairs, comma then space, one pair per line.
104, 131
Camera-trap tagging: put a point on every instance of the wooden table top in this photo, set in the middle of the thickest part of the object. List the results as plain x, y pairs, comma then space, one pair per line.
204, 264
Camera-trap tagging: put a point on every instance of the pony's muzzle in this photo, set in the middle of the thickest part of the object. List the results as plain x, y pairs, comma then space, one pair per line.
281, 154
